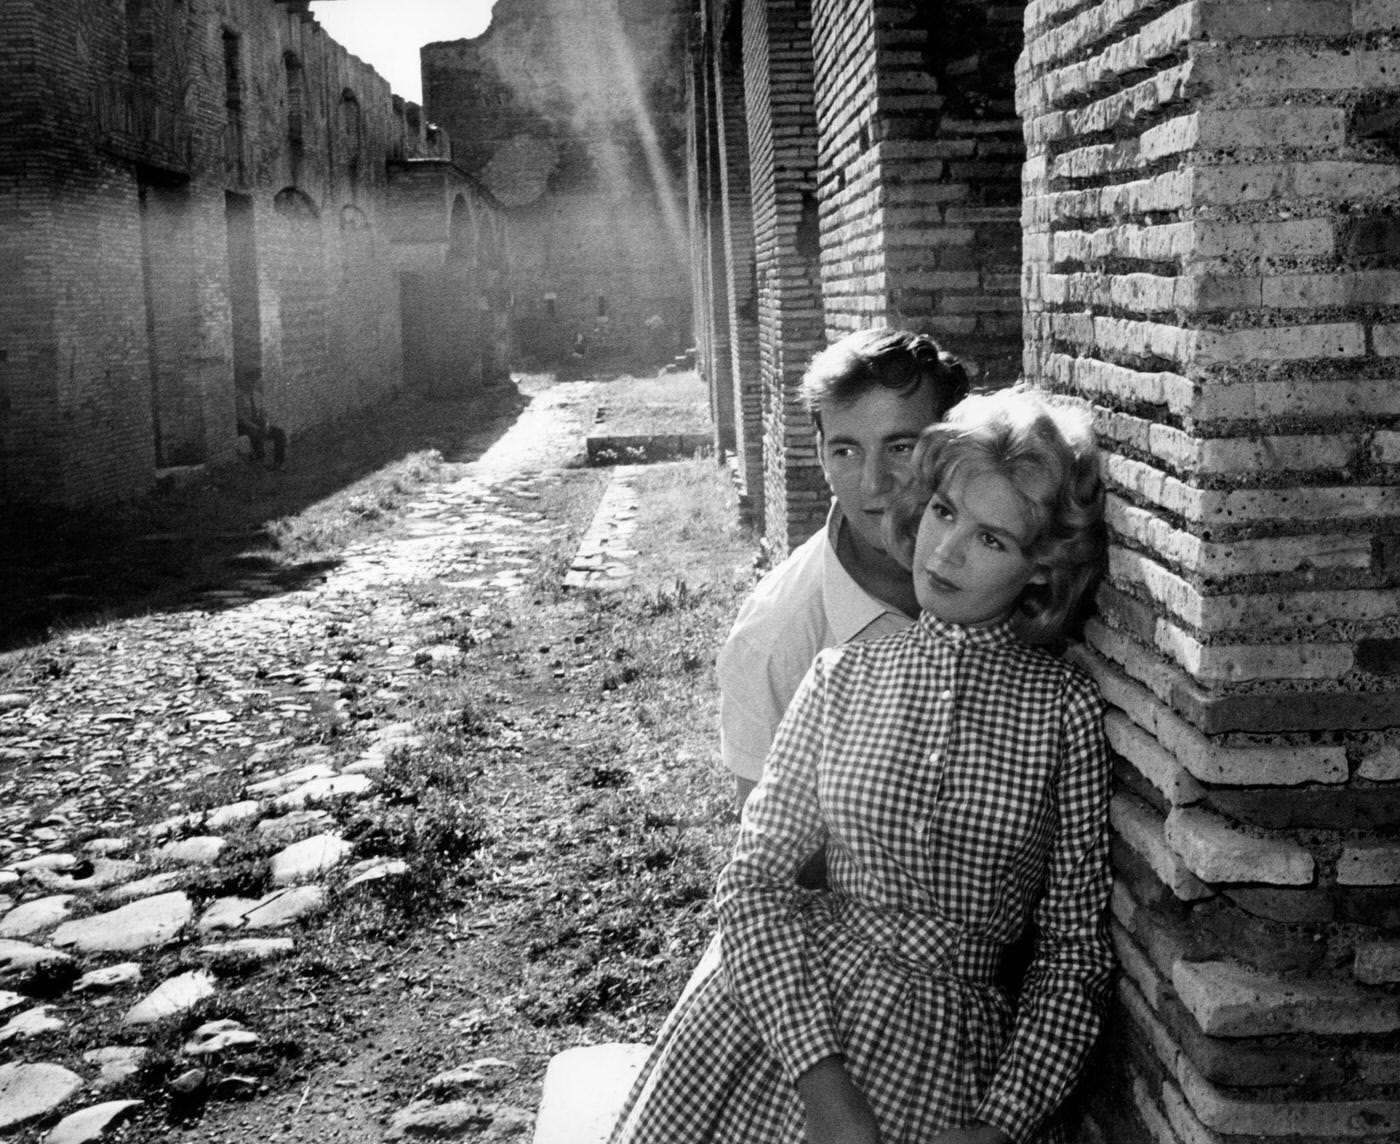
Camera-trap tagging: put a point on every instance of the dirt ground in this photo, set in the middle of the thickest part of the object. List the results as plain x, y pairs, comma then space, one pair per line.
586, 723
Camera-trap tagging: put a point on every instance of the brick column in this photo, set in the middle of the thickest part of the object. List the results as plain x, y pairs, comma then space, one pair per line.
1210, 264
920, 164
782, 151
713, 303
742, 309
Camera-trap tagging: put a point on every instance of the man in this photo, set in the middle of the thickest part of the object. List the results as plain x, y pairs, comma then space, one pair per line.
870, 394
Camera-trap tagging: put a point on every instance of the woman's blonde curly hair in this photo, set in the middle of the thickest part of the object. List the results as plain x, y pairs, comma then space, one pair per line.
1046, 451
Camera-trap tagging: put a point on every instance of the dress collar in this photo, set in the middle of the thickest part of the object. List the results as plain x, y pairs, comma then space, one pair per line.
943, 632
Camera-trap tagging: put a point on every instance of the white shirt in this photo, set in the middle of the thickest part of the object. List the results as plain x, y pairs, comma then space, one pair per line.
808, 602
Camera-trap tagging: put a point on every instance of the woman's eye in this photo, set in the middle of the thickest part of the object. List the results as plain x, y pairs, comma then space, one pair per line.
991, 541
941, 511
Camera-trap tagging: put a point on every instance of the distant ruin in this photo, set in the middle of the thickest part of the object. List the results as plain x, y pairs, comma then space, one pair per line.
572, 114
204, 207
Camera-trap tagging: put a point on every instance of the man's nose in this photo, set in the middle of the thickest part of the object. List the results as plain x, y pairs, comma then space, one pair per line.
875, 475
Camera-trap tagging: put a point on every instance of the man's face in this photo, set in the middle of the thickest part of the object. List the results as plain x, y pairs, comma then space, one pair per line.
866, 448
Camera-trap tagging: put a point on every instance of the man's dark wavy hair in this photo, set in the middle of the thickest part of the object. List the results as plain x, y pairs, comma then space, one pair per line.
882, 358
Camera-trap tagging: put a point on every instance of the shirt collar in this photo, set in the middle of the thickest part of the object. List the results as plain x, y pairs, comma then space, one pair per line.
992, 635
850, 609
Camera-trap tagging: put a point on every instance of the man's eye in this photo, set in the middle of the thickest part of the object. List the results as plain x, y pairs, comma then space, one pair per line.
902, 448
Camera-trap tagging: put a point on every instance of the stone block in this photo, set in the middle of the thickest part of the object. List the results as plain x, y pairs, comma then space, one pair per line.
1231, 1000
1321, 400
584, 1090
1298, 343
1152, 760
1375, 908
1325, 1119
1292, 907
1220, 929
1246, 663
1381, 765
1144, 832
1107, 655
1229, 19
1343, 808
1374, 15
1377, 963
1369, 864
1216, 851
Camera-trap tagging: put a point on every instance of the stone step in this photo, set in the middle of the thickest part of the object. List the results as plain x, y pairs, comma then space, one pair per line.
584, 1089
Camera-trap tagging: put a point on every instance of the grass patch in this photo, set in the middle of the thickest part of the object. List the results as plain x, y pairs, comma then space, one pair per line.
665, 404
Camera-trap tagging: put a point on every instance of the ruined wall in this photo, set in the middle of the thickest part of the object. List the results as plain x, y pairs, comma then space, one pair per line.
1210, 264
571, 113
919, 183
777, 55
879, 183
192, 199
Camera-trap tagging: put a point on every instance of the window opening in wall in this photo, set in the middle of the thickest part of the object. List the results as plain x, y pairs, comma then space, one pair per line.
351, 135
296, 98
233, 77
602, 305
140, 38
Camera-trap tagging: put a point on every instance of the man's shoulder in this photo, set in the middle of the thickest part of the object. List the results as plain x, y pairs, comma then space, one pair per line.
785, 612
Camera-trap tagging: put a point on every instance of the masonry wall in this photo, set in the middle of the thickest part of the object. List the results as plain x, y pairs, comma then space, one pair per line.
777, 57
193, 201
1210, 265
572, 116
919, 181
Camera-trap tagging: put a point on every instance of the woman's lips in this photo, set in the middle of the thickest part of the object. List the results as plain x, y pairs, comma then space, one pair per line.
939, 583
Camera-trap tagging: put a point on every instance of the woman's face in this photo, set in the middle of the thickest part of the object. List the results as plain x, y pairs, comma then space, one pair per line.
970, 554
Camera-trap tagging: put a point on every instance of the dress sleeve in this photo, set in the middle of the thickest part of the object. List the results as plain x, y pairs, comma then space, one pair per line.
767, 966
1066, 987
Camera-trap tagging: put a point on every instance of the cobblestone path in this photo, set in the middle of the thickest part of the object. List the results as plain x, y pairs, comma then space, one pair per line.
155, 711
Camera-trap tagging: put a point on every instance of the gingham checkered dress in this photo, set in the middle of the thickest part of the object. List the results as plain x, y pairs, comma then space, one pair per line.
960, 784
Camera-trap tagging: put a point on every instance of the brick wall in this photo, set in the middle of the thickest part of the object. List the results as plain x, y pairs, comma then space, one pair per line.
132, 153
919, 179
1210, 265
782, 151
742, 302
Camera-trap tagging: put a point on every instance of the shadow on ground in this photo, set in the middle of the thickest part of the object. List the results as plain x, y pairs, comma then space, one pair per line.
66, 570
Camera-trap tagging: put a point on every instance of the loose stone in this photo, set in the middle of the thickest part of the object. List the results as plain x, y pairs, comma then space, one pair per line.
274, 910
170, 998
306, 859
140, 925
90, 1123
21, 962
30, 1023
111, 977
148, 887
35, 916
200, 850
279, 783
256, 949
290, 827
30, 1090
115, 1063
216, 1036
318, 790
